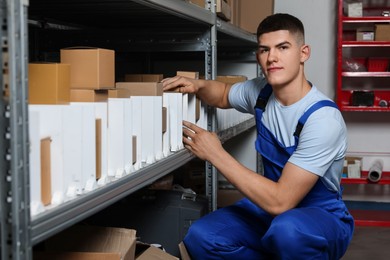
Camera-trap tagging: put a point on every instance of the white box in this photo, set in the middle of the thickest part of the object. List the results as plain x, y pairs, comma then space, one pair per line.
175, 101
353, 8
36, 205
50, 125
157, 119
128, 136
137, 129
166, 140
72, 152
100, 113
148, 136
191, 108
119, 145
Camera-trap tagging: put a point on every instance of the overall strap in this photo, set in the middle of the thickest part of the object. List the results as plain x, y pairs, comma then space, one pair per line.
302, 120
263, 97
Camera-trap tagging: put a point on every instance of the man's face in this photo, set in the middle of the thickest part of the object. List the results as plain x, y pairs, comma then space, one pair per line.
280, 56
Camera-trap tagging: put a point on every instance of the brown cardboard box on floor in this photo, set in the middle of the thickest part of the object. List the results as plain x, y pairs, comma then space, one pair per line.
49, 83
90, 68
113, 243
153, 253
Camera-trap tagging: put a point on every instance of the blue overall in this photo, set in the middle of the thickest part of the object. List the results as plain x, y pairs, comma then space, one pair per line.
320, 227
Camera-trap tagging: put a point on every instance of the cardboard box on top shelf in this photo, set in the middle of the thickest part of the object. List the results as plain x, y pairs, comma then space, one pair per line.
86, 242
49, 83
88, 95
91, 68
353, 8
141, 88
249, 13
223, 9
144, 77
382, 32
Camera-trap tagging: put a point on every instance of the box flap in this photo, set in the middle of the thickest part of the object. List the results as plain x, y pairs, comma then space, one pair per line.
95, 239
183, 252
154, 253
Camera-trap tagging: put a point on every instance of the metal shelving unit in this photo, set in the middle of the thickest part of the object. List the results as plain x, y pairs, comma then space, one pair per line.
136, 25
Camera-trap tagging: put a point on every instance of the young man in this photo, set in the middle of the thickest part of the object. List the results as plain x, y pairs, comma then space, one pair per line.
295, 210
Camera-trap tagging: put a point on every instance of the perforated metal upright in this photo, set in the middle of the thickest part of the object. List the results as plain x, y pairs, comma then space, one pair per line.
14, 205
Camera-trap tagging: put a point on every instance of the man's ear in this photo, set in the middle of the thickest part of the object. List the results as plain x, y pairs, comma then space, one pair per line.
305, 52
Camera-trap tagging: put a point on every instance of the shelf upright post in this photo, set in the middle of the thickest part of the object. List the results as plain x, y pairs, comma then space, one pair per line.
210, 73
15, 201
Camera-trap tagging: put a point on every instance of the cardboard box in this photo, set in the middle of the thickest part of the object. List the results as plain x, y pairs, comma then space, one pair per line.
113, 243
150, 252
88, 95
245, 18
141, 88
144, 77
49, 83
190, 107
50, 125
223, 10
226, 197
365, 34
120, 137
119, 93
231, 79
352, 166
200, 3
90, 68
35, 143
353, 8
184, 255
382, 32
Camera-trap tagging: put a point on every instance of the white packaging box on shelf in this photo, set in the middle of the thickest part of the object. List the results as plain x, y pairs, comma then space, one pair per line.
174, 103
202, 121
185, 106
100, 111
191, 108
120, 142
166, 142
136, 103
50, 125
79, 130
36, 205
151, 109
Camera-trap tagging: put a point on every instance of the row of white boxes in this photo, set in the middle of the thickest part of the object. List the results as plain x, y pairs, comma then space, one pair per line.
227, 118
78, 147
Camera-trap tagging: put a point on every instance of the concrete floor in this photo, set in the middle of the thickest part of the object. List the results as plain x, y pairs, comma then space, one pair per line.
369, 243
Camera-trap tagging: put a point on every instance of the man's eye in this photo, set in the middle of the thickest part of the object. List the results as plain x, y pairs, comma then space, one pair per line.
263, 50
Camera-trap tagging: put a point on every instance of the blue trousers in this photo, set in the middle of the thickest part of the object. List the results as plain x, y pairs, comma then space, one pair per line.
244, 231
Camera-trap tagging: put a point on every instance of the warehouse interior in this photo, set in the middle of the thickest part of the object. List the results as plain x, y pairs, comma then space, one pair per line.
93, 164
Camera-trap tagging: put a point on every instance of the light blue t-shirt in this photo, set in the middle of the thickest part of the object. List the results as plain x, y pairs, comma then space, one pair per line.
323, 140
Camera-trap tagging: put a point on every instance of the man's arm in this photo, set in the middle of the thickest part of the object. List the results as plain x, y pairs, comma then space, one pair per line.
214, 93
274, 197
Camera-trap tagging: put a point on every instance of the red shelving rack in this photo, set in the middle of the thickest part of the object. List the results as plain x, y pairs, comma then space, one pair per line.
377, 82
